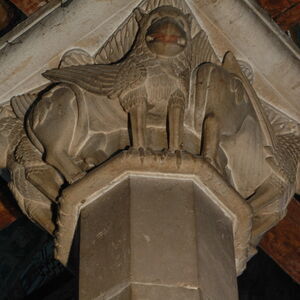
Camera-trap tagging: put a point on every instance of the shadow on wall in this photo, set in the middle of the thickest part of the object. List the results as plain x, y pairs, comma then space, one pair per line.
295, 34
26, 261
265, 280
10, 16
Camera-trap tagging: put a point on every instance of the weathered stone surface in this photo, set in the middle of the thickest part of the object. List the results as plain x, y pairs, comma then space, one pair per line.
162, 236
153, 292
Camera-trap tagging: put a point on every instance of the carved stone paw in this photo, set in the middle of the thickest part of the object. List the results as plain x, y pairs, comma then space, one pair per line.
166, 153
141, 152
178, 154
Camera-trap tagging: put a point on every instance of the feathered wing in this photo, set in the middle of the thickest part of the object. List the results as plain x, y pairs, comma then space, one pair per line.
99, 79
119, 43
107, 80
35, 205
75, 57
202, 50
231, 65
20, 104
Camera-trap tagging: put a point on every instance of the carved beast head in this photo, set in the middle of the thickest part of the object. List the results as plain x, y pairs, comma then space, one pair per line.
165, 30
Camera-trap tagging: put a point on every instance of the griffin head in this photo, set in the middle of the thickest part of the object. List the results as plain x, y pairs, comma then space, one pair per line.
165, 30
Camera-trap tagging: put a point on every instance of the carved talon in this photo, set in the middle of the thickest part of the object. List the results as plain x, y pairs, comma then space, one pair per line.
164, 154
133, 151
175, 117
178, 154
141, 152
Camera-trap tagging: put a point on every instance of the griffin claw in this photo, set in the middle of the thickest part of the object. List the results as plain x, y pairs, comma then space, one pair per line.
178, 154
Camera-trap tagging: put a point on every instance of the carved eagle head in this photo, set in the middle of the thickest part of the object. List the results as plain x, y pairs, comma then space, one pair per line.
166, 30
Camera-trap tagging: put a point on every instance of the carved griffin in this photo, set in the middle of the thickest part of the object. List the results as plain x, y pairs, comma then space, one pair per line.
152, 80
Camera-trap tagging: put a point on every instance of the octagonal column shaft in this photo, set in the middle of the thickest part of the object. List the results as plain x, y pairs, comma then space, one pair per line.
156, 238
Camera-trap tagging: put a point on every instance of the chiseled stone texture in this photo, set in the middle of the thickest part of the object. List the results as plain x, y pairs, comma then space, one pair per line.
161, 237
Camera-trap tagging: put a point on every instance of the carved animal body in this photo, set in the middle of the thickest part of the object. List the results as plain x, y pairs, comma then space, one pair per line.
89, 134
232, 122
20, 157
225, 113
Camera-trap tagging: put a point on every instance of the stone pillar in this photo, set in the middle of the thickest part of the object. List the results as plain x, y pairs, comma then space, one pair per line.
156, 238
154, 229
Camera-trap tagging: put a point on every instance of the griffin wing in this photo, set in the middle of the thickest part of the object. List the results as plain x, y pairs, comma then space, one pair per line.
116, 47
20, 104
75, 57
202, 50
99, 79
231, 64
107, 80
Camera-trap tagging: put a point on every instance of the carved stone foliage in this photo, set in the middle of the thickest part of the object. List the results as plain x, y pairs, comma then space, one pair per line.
156, 89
